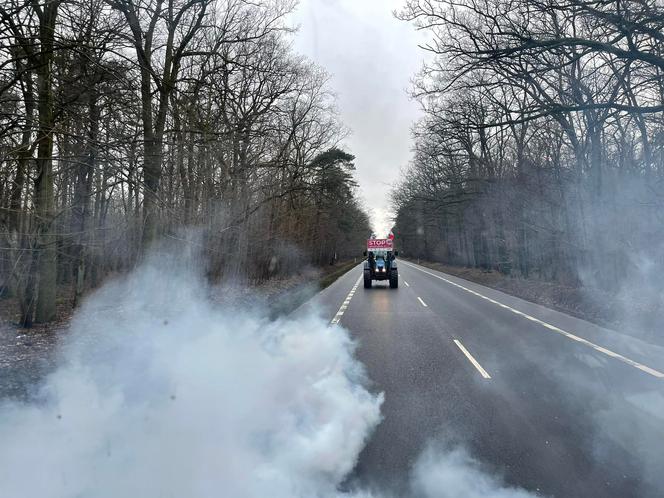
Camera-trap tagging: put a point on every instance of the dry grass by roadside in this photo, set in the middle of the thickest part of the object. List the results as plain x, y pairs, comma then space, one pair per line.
278, 296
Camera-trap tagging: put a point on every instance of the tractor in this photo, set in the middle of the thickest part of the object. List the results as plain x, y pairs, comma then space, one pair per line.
381, 263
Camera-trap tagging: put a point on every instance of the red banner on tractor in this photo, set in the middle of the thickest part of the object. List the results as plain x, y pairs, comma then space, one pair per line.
379, 245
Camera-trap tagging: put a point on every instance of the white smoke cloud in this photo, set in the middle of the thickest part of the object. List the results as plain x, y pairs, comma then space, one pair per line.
161, 394
453, 473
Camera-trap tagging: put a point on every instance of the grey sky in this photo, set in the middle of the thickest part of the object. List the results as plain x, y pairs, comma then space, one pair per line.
371, 57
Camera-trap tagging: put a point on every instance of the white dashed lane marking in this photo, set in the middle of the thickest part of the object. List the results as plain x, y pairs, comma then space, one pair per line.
423, 303
608, 352
407, 284
344, 305
472, 360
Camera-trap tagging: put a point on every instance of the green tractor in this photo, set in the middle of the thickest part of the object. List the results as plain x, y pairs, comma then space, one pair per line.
381, 263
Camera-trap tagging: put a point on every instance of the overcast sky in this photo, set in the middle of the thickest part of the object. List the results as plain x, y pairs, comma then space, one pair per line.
371, 57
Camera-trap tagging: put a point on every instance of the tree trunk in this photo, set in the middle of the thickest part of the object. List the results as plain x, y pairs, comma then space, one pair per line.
45, 253
151, 178
81, 207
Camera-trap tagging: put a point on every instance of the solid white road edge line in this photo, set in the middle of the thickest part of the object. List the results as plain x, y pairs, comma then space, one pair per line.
472, 360
608, 352
321, 292
346, 302
423, 303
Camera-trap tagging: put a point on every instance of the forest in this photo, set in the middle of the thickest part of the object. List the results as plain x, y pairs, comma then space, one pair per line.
128, 122
541, 149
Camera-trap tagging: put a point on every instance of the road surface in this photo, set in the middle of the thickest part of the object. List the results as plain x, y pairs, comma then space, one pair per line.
549, 402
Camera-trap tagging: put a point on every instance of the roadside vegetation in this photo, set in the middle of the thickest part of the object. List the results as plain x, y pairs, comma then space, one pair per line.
540, 153
127, 122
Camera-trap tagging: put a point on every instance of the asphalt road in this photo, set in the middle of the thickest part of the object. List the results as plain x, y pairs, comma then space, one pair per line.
549, 402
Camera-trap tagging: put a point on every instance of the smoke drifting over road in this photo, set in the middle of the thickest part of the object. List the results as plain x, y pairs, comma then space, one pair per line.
161, 394
453, 473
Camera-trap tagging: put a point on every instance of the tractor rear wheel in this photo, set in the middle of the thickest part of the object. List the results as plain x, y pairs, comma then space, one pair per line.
367, 279
394, 279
